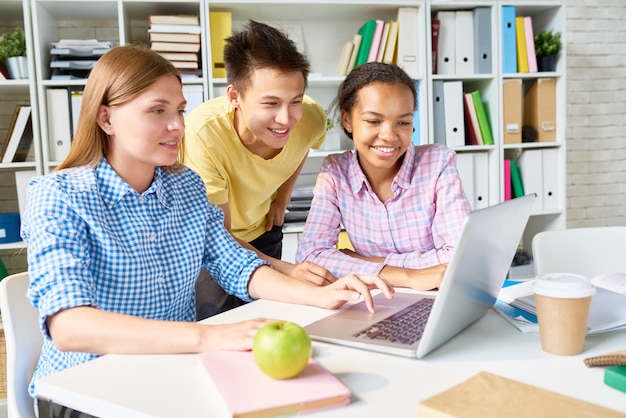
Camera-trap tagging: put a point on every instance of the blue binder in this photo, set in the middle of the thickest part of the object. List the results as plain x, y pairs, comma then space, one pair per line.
509, 46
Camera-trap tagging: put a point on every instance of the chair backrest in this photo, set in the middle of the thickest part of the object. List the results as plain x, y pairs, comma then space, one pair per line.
586, 251
23, 343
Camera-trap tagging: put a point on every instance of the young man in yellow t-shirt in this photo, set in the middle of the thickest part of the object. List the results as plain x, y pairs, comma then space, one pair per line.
250, 145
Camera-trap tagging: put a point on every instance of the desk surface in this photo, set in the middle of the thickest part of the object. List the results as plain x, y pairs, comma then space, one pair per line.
176, 385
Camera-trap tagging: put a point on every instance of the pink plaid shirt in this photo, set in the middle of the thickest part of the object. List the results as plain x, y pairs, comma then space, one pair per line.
418, 227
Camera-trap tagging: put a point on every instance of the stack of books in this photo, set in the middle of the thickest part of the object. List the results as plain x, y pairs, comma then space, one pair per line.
384, 41
74, 58
177, 39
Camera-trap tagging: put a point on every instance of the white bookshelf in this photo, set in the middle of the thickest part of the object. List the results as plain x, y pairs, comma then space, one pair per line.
326, 26
14, 13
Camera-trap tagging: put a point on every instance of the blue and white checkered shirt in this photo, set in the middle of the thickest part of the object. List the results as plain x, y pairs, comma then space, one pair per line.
93, 240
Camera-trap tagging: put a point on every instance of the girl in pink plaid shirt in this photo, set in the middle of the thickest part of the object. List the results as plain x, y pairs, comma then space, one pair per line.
402, 206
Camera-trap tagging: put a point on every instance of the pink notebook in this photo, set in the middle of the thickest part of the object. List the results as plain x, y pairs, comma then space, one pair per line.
248, 392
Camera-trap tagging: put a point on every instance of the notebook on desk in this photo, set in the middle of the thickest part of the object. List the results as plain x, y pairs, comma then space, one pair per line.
469, 288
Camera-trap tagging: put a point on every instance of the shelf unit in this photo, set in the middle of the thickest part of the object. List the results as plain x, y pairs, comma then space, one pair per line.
14, 13
326, 26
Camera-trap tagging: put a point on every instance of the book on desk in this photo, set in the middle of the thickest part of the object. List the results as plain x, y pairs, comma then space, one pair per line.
249, 393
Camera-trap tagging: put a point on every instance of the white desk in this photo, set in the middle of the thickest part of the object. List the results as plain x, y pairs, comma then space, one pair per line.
382, 385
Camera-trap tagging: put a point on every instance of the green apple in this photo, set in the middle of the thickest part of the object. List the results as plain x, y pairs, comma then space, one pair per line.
282, 349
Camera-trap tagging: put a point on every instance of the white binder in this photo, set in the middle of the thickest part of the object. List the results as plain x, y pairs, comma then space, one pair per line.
473, 168
59, 123
464, 44
446, 61
530, 165
454, 116
551, 169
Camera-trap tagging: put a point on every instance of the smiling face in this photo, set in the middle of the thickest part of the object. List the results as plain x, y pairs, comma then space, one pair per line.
268, 110
381, 123
146, 131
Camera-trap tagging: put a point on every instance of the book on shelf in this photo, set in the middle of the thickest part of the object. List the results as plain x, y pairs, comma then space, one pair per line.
378, 34
483, 120
175, 28
235, 373
489, 395
507, 180
18, 139
474, 124
530, 44
180, 56
185, 65
344, 58
517, 186
606, 313
188, 38
174, 47
220, 27
356, 40
470, 134
520, 40
25, 144
367, 33
383, 42
392, 42
435, 24
174, 19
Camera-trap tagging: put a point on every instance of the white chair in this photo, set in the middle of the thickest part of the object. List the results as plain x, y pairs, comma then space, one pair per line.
23, 343
586, 251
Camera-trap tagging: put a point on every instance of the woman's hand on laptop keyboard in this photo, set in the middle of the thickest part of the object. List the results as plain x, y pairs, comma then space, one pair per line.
352, 288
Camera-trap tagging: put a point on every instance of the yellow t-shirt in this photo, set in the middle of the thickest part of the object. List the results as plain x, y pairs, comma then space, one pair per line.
234, 175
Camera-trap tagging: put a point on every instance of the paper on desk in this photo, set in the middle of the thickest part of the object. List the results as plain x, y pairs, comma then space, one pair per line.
487, 395
520, 319
606, 313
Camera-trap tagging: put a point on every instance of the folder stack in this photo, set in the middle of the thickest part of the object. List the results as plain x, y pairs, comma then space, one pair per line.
74, 58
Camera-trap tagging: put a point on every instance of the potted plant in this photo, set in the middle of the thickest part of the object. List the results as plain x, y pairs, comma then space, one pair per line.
547, 47
13, 53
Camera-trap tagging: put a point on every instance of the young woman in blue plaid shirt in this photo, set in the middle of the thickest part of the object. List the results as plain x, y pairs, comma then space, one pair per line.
118, 233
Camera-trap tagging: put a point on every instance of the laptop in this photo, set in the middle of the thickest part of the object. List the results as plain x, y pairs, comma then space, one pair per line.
469, 288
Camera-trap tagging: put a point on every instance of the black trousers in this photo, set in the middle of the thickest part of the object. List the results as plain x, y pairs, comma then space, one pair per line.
211, 299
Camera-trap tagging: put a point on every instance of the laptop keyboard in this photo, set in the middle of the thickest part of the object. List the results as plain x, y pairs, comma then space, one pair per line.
404, 327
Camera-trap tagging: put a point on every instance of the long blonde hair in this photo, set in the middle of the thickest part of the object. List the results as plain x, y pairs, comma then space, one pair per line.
119, 76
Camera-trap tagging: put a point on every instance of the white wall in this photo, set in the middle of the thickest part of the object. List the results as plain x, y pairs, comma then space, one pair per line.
596, 113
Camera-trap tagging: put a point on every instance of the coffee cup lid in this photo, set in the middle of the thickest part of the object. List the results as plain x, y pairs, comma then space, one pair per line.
563, 285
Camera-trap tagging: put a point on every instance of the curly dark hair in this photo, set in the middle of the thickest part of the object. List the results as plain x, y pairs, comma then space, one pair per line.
364, 75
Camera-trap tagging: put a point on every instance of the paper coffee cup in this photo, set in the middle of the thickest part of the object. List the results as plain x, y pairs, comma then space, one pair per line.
563, 301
